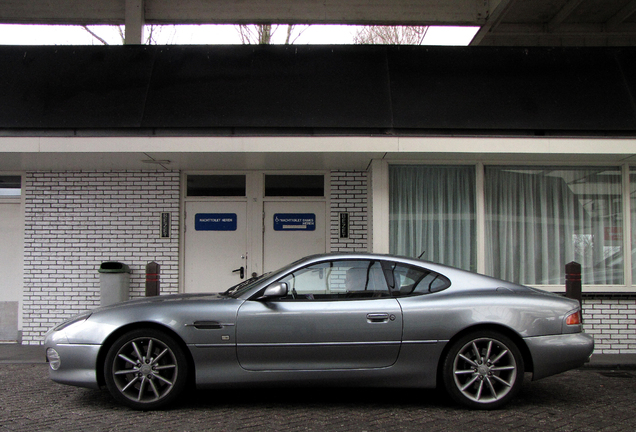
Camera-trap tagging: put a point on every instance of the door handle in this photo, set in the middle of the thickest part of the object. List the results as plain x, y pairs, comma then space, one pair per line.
377, 317
241, 272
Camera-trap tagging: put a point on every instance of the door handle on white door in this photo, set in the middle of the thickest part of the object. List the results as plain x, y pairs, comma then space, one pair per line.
241, 272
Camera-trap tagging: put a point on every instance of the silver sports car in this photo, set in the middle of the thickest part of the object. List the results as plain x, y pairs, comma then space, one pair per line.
342, 320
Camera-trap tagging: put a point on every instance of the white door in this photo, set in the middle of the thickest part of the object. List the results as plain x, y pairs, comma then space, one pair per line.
215, 245
11, 265
292, 230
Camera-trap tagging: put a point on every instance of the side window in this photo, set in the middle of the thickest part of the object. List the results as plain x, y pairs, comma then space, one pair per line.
407, 280
338, 280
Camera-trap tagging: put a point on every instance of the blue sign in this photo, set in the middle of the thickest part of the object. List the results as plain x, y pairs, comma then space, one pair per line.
294, 222
215, 222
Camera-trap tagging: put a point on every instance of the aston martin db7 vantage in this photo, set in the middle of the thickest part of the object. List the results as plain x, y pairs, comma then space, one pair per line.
337, 319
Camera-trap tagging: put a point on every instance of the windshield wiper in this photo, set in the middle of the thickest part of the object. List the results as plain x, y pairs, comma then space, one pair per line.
233, 290
237, 287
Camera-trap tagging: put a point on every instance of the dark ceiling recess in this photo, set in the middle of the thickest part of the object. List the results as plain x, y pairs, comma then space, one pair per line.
270, 90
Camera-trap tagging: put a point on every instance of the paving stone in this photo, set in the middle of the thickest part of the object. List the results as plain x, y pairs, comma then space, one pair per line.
578, 400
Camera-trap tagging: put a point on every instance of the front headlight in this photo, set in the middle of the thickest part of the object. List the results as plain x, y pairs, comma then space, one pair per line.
54, 359
72, 321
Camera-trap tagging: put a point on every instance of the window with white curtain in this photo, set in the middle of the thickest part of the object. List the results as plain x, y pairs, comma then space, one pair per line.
432, 213
540, 218
632, 200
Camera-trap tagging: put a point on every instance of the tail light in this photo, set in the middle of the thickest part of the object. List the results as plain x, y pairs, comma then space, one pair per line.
574, 318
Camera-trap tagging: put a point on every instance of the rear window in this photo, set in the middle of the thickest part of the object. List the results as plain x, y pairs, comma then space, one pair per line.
407, 280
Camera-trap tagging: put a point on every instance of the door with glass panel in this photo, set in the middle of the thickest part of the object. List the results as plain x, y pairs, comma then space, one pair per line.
292, 230
219, 251
216, 245
215, 233
294, 218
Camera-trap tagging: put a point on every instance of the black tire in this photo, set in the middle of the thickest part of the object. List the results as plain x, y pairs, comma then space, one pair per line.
483, 370
145, 369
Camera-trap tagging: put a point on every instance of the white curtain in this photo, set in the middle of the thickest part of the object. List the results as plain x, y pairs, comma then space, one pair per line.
432, 213
539, 219
632, 195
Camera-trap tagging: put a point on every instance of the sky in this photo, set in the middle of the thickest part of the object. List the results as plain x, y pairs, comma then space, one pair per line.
14, 34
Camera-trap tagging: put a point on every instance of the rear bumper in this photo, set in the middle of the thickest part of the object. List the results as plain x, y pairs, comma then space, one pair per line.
558, 353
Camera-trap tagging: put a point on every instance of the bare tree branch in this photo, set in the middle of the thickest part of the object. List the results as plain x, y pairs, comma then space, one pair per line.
149, 38
265, 34
121, 34
290, 31
262, 34
92, 33
152, 37
391, 35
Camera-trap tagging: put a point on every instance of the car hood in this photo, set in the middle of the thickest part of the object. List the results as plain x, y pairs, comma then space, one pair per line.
177, 312
156, 300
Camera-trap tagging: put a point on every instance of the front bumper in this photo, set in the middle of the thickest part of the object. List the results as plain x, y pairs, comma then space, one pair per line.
558, 353
78, 362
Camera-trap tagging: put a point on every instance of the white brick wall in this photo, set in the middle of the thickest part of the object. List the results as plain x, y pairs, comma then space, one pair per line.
612, 323
74, 221
349, 193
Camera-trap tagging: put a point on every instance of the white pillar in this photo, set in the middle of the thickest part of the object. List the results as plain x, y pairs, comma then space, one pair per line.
380, 206
134, 20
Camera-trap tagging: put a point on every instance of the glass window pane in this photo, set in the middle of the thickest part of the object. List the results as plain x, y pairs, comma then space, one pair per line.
432, 214
338, 280
407, 280
540, 218
294, 185
216, 185
10, 186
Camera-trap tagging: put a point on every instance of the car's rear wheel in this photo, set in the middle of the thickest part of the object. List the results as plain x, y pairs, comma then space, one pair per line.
145, 369
483, 370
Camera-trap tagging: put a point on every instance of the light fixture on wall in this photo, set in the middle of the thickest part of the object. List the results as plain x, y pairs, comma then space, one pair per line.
156, 161
152, 161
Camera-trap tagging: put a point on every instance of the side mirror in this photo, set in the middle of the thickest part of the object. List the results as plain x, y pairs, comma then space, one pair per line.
276, 290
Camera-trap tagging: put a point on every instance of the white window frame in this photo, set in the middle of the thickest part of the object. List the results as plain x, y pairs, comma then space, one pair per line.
380, 213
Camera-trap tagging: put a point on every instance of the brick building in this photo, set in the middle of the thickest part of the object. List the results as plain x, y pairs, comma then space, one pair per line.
134, 154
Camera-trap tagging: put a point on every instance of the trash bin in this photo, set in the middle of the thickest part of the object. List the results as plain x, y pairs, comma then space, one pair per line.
114, 282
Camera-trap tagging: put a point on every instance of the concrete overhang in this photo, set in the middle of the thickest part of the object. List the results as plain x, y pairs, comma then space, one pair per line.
294, 153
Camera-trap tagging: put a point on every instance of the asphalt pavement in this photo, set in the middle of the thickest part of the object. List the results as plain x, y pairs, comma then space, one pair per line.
598, 397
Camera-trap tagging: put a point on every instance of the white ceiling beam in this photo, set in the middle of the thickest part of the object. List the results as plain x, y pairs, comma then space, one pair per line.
627, 11
135, 20
590, 29
563, 14
405, 12
62, 12
499, 9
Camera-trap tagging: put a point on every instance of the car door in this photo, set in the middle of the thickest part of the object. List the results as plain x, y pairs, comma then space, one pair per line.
337, 315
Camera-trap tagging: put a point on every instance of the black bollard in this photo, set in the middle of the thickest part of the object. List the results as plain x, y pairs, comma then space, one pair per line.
152, 279
573, 282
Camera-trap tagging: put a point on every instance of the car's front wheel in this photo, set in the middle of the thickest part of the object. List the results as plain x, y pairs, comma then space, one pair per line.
145, 369
483, 370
